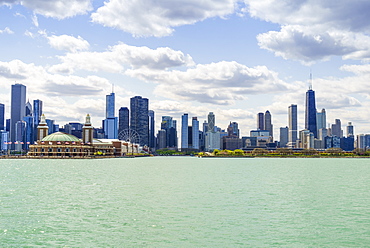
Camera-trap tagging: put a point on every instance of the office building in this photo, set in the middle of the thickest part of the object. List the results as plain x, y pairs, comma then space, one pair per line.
37, 112
260, 121
293, 125
350, 131
139, 118
2, 116
184, 131
169, 126
110, 124
151, 129
195, 133
268, 124
123, 120
321, 119
310, 114
211, 122
110, 106
284, 136
28, 110
17, 108
336, 129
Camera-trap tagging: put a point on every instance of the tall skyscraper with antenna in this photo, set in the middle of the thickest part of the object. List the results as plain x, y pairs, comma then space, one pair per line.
310, 115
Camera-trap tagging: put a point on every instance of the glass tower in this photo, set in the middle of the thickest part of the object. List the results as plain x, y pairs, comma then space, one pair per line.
268, 124
2, 116
195, 133
109, 107
139, 121
293, 125
310, 120
17, 108
123, 119
151, 129
184, 131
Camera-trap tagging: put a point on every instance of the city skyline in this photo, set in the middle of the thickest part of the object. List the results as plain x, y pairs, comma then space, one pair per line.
234, 58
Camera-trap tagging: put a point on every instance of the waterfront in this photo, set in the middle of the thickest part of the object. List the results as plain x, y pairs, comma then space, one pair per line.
185, 202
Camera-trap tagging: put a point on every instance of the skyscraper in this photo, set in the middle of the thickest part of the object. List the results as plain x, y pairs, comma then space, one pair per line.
268, 124
184, 131
123, 119
293, 125
169, 125
211, 122
2, 116
195, 133
336, 129
139, 121
260, 121
37, 112
151, 129
17, 108
321, 120
110, 124
110, 105
284, 134
310, 117
350, 131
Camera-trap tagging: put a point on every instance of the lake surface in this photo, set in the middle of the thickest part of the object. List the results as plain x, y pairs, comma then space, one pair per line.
185, 202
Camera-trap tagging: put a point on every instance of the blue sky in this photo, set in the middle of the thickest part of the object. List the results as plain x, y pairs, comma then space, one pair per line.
233, 58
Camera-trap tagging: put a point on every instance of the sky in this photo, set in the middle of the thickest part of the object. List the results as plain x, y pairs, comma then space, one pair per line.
235, 58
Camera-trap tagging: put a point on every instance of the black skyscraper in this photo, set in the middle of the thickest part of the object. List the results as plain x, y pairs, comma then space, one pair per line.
139, 121
310, 120
2, 116
123, 120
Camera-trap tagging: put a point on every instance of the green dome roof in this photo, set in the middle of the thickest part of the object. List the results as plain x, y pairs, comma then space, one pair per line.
59, 136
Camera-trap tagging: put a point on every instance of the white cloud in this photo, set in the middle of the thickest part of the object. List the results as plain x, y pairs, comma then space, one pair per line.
158, 18
59, 9
6, 31
118, 57
315, 30
35, 20
68, 43
217, 83
51, 84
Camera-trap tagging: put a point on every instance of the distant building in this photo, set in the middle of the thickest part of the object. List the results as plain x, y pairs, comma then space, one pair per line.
17, 108
284, 134
293, 125
184, 131
123, 120
310, 114
260, 121
152, 142
2, 116
212, 137
268, 124
350, 131
110, 124
28, 110
321, 120
139, 118
336, 129
37, 112
195, 133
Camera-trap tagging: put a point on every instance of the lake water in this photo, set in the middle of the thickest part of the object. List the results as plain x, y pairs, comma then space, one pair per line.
185, 202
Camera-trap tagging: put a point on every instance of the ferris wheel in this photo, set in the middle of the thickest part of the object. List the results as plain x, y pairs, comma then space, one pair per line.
129, 135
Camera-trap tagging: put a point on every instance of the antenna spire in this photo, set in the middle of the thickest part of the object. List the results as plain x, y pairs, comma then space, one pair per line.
112, 88
310, 84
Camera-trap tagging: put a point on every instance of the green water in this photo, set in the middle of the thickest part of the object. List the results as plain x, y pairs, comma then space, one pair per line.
185, 202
